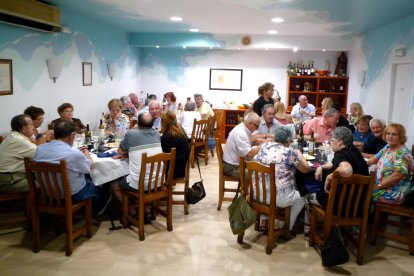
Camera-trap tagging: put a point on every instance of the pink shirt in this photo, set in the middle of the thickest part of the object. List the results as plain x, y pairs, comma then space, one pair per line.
322, 132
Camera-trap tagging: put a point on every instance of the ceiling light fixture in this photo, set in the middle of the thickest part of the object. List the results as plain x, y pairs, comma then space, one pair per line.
194, 30
184, 47
176, 18
295, 49
277, 20
157, 46
323, 50
272, 32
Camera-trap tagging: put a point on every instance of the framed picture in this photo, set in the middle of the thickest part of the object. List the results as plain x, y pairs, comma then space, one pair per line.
226, 79
87, 73
6, 77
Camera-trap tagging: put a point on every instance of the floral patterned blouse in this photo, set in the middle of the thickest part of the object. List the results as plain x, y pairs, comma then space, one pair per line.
389, 162
285, 159
110, 124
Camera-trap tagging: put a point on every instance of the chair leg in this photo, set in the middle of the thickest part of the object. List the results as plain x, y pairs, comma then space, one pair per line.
69, 234
212, 153
35, 230
361, 243
270, 235
287, 222
411, 243
141, 215
221, 193
206, 155
312, 230
124, 210
377, 221
187, 185
88, 210
169, 213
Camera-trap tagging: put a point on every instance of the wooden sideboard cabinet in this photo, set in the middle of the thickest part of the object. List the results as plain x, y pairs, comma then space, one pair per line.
229, 121
316, 89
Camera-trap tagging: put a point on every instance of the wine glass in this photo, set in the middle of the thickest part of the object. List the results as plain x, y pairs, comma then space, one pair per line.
95, 141
79, 140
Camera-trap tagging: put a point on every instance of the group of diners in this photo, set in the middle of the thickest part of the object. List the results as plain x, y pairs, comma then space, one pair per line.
264, 139
158, 130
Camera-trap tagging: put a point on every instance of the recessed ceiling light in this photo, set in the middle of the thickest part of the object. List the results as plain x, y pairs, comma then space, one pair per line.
157, 46
267, 49
176, 18
323, 50
277, 20
184, 47
272, 32
194, 30
295, 49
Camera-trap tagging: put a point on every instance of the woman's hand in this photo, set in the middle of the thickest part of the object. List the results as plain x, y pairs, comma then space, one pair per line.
328, 183
318, 173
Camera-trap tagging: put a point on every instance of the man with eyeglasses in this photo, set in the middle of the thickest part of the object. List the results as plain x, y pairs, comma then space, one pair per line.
267, 125
303, 109
239, 143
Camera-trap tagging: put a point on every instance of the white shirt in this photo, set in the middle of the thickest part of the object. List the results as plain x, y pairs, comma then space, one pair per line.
186, 119
239, 143
205, 109
13, 150
310, 108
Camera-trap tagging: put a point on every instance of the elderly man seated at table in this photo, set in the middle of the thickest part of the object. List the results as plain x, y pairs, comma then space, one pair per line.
154, 108
135, 100
239, 143
303, 109
375, 145
136, 141
78, 164
286, 162
202, 107
322, 126
267, 125
128, 108
15, 147
186, 119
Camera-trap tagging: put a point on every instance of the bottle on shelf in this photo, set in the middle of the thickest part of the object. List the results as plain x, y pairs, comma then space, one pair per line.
311, 142
312, 70
88, 135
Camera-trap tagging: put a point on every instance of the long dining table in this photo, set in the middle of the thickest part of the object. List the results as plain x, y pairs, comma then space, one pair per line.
106, 169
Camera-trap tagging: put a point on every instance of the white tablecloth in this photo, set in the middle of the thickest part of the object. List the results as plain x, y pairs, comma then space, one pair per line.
107, 169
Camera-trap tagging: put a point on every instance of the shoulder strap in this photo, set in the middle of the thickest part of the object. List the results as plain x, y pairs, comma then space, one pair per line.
198, 166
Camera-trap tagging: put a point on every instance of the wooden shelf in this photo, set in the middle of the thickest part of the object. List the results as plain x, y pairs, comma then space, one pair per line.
229, 121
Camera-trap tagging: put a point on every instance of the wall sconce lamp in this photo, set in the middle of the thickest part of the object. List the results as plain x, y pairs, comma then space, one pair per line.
361, 77
111, 70
54, 66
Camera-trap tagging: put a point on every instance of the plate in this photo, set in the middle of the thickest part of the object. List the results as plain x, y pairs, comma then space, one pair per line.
309, 157
112, 145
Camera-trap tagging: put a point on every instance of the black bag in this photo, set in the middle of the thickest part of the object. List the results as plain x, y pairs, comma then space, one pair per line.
334, 253
196, 192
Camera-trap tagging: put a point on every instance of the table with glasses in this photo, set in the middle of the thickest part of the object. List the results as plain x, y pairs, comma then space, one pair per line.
106, 169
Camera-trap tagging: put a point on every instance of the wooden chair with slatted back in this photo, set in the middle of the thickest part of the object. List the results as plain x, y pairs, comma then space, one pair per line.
133, 123
1, 139
199, 140
51, 194
181, 192
223, 178
218, 114
211, 132
158, 187
348, 204
256, 182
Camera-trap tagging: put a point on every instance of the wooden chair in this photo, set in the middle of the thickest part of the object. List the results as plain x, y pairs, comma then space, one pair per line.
348, 205
223, 178
157, 189
258, 172
1, 139
382, 213
11, 200
211, 132
181, 192
52, 198
218, 114
199, 139
132, 123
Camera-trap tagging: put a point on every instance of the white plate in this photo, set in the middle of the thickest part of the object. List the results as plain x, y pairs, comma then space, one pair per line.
112, 145
309, 157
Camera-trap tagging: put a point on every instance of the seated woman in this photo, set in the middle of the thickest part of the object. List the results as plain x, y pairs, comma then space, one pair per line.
39, 135
326, 103
394, 167
355, 112
171, 102
186, 119
173, 136
347, 161
65, 111
128, 108
280, 114
370, 148
286, 161
363, 133
115, 118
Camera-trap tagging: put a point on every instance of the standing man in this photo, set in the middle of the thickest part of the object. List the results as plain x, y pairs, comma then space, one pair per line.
154, 109
78, 164
239, 143
203, 107
322, 126
267, 126
15, 147
303, 109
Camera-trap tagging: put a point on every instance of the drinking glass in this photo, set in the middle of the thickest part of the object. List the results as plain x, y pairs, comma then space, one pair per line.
79, 140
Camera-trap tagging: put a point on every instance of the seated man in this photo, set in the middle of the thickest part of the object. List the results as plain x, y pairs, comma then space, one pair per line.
78, 165
136, 141
267, 126
15, 147
303, 109
154, 109
239, 143
186, 119
322, 126
370, 148
203, 107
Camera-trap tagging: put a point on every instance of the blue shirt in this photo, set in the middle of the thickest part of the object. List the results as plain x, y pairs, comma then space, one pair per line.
359, 137
77, 164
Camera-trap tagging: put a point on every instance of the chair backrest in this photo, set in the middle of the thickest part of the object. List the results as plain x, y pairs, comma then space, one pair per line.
255, 184
133, 123
218, 114
200, 131
211, 126
52, 186
156, 174
219, 152
1, 139
350, 197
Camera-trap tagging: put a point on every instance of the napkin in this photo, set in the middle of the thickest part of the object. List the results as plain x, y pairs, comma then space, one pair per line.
106, 154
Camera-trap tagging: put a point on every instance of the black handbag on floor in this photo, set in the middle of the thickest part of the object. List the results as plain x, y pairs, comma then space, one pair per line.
196, 192
334, 253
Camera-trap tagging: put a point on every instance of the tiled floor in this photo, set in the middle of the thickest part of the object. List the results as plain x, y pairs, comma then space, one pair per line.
200, 244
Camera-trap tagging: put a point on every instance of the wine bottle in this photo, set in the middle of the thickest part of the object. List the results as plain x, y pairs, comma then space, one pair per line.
101, 129
301, 139
311, 142
312, 70
88, 135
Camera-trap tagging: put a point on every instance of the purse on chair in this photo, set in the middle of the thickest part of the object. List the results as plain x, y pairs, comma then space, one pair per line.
196, 192
334, 253
241, 215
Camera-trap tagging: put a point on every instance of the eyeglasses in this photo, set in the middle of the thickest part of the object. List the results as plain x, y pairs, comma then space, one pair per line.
256, 125
391, 133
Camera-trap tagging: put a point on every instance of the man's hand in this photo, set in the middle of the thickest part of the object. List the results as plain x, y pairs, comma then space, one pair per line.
318, 173
328, 183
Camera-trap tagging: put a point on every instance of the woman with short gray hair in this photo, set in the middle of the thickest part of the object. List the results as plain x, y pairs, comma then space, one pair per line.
286, 162
186, 118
